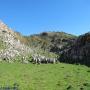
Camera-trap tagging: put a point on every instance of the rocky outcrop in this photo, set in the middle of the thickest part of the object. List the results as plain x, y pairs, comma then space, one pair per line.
79, 52
13, 46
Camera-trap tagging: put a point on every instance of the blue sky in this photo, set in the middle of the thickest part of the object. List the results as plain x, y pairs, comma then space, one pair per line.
35, 16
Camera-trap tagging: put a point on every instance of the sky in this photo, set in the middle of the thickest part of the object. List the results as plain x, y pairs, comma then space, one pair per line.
36, 16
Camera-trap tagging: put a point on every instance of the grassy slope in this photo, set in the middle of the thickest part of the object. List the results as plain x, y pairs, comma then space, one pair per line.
45, 77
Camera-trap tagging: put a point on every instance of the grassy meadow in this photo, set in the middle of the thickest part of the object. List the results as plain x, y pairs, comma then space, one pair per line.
45, 76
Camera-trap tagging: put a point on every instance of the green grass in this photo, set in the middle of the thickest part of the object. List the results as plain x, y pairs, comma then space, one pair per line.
45, 76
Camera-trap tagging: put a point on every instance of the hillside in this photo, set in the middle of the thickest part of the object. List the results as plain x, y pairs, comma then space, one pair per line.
79, 52
54, 42
14, 47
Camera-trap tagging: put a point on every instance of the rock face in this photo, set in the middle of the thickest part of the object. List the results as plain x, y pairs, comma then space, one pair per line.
79, 52
13, 46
